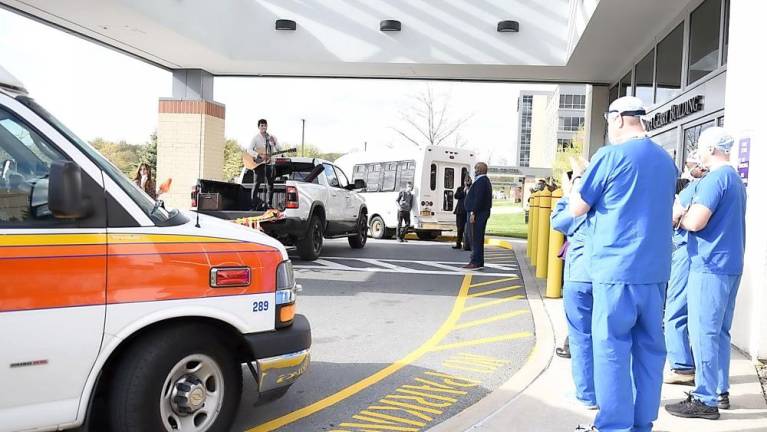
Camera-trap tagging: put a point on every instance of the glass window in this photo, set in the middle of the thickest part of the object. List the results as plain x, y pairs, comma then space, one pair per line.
613, 93
373, 177
25, 163
564, 144
464, 174
343, 181
726, 38
330, 174
643, 77
359, 172
668, 140
433, 177
449, 178
668, 66
692, 134
405, 173
704, 40
625, 85
720, 121
570, 124
389, 177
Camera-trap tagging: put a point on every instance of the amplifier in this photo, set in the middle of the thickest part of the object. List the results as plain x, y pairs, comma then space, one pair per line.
209, 201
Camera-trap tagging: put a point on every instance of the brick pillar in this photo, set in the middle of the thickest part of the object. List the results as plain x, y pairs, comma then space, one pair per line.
187, 129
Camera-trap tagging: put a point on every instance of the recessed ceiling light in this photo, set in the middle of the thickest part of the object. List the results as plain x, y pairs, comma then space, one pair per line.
391, 25
508, 26
284, 24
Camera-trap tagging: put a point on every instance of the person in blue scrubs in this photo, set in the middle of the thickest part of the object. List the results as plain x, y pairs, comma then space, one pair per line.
628, 193
716, 225
578, 298
680, 356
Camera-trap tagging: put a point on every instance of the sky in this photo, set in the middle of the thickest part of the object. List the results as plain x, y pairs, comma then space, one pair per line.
102, 93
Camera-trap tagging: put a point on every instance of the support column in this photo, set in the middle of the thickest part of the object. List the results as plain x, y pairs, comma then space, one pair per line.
190, 136
597, 98
744, 118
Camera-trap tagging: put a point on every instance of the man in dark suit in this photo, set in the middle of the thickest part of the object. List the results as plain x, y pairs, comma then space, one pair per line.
478, 203
460, 212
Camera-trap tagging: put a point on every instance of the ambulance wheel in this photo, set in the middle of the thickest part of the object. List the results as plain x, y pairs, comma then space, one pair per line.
377, 228
310, 246
179, 378
359, 240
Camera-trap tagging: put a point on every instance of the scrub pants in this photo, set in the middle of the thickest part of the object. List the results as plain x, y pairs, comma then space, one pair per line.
675, 319
711, 303
579, 303
629, 354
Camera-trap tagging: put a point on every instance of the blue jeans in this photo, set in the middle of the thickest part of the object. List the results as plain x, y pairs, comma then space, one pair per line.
478, 237
680, 355
579, 303
711, 303
629, 354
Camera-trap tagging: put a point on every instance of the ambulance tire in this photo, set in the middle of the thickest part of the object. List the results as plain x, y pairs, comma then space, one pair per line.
146, 370
310, 246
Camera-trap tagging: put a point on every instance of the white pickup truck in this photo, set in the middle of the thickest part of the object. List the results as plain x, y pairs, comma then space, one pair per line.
316, 197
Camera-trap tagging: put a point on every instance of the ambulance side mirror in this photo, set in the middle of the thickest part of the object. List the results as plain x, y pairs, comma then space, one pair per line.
65, 191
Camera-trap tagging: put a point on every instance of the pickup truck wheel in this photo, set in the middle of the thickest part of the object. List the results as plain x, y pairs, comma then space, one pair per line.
179, 379
377, 228
310, 246
359, 240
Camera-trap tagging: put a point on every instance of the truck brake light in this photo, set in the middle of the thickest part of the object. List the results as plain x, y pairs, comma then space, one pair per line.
291, 197
229, 277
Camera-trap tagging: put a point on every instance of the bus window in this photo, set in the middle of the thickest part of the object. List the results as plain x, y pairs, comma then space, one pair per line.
373, 177
464, 174
359, 172
389, 177
449, 178
433, 177
405, 173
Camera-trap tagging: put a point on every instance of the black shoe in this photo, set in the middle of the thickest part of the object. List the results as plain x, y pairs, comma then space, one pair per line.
457, 247
724, 401
467, 249
693, 408
562, 352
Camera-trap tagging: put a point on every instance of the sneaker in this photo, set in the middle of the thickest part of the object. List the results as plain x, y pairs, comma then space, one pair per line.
693, 408
586, 428
724, 401
680, 377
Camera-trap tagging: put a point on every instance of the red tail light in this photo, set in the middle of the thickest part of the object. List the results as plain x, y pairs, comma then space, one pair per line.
195, 192
229, 277
291, 197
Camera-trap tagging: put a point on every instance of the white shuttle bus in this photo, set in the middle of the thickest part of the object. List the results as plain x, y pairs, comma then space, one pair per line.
435, 171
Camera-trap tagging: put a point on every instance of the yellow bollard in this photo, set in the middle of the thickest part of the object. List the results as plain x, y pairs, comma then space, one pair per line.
556, 240
533, 228
544, 222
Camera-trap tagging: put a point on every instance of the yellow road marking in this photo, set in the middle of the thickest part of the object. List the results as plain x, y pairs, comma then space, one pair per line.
392, 418
494, 281
495, 291
483, 341
357, 387
369, 426
493, 303
489, 320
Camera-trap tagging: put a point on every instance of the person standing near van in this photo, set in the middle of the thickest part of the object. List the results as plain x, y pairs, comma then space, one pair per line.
460, 211
478, 203
716, 241
405, 205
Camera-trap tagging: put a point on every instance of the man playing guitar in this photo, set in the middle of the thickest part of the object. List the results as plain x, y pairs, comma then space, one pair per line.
257, 157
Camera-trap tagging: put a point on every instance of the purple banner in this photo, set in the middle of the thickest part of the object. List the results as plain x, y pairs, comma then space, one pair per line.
744, 156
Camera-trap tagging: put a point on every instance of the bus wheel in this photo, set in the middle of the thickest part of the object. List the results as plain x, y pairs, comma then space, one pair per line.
428, 235
377, 228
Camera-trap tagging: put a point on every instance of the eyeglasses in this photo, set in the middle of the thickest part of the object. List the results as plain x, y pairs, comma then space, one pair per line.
635, 113
607, 114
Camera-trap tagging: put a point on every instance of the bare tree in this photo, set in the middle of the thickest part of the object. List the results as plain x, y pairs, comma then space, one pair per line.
428, 121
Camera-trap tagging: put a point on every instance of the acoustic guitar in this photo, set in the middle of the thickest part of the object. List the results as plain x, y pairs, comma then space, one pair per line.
252, 163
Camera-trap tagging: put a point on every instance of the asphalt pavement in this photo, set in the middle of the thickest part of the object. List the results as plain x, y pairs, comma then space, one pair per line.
403, 338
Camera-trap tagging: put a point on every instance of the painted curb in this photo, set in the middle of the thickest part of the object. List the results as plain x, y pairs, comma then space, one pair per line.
537, 363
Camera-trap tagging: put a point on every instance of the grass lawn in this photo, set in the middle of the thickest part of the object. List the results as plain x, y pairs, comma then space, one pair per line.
505, 221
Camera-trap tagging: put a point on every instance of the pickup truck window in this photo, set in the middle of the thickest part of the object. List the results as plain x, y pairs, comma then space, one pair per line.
330, 174
342, 179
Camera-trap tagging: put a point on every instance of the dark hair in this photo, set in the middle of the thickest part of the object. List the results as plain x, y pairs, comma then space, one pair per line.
262, 121
138, 172
681, 184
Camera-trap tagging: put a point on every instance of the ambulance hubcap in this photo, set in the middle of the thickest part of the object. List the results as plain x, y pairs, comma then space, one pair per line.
193, 394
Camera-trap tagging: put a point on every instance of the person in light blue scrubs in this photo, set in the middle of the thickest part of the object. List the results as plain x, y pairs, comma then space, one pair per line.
578, 299
680, 356
716, 242
628, 193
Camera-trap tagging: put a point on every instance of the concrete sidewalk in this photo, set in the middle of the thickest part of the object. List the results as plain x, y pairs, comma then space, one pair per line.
539, 397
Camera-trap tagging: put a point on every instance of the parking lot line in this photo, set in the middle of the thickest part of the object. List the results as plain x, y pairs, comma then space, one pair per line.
493, 303
495, 318
363, 384
494, 281
482, 341
495, 291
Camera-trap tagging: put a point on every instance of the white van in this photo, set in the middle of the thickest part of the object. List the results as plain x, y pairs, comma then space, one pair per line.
109, 300
436, 172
